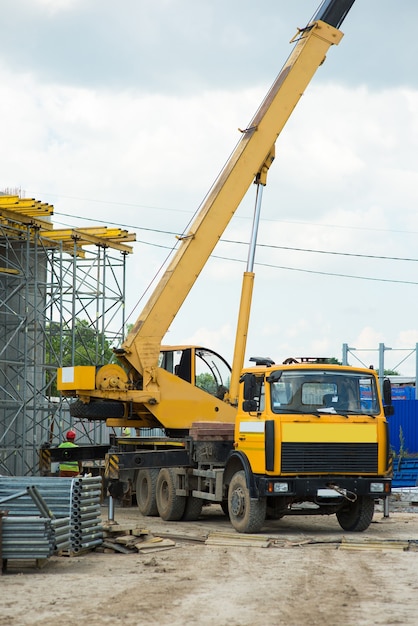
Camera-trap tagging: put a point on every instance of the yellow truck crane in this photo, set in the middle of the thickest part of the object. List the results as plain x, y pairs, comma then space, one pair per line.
266, 440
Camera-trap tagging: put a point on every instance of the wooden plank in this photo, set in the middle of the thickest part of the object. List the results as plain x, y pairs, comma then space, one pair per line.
235, 539
117, 547
128, 528
154, 545
371, 544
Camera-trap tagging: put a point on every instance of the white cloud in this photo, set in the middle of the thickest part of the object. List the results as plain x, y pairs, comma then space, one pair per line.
214, 339
345, 180
408, 339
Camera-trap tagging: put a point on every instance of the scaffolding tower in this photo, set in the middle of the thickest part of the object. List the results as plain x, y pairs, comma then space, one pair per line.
62, 297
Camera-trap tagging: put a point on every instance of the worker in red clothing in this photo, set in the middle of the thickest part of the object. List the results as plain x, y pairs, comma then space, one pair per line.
69, 468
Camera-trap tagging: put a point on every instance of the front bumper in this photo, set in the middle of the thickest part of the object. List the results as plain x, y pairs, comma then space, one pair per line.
309, 487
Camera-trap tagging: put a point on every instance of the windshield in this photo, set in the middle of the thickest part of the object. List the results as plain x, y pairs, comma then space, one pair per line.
324, 391
211, 372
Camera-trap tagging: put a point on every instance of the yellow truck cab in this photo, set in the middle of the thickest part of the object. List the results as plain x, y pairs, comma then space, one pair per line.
309, 431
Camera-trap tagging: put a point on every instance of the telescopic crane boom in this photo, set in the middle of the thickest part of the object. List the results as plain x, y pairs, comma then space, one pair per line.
139, 383
233, 182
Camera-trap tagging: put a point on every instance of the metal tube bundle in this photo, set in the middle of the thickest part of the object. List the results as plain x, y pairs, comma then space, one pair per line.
65, 509
86, 522
27, 538
61, 528
55, 491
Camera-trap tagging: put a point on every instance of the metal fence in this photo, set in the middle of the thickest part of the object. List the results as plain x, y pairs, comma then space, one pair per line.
403, 427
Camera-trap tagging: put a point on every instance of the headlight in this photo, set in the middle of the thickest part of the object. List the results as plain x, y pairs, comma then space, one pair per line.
281, 487
376, 487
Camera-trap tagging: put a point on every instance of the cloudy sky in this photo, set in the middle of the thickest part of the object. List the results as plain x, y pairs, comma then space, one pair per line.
124, 113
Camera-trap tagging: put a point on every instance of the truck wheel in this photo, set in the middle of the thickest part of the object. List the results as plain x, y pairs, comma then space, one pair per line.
170, 505
224, 507
356, 516
247, 515
146, 484
193, 509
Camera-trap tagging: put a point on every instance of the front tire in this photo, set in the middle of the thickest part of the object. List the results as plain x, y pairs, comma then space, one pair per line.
170, 506
224, 507
356, 516
247, 514
146, 485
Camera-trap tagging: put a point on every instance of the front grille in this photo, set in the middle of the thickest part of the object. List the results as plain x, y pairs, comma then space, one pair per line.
300, 458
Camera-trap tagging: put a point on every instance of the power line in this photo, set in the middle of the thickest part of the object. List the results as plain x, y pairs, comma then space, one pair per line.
349, 254
297, 269
90, 219
263, 219
260, 245
271, 265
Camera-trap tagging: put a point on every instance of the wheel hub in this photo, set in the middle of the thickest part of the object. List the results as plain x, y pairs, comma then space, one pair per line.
238, 502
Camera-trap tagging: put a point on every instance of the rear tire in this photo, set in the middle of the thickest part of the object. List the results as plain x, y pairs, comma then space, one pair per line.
247, 514
170, 506
356, 516
146, 485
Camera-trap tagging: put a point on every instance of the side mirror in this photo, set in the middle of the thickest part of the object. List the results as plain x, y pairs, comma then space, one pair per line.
249, 392
250, 386
387, 398
249, 406
387, 391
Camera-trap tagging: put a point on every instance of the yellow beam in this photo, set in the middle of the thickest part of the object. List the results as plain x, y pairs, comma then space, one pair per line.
98, 231
33, 209
99, 236
28, 220
102, 241
25, 204
24, 212
9, 199
127, 237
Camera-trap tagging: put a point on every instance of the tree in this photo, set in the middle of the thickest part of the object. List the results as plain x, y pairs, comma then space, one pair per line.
334, 361
206, 382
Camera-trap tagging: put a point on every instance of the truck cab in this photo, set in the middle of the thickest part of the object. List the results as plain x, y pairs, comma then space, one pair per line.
309, 431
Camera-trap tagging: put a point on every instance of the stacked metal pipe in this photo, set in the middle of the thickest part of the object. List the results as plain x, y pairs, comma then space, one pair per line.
69, 506
86, 526
27, 538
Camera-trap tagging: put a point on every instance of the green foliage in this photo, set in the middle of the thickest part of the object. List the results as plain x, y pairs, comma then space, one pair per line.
334, 361
206, 382
390, 373
402, 450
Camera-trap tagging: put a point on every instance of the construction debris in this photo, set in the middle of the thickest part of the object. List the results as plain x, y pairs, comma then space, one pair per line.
348, 543
126, 539
234, 539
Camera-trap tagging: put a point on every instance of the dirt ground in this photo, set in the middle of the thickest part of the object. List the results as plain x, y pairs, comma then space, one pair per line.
305, 577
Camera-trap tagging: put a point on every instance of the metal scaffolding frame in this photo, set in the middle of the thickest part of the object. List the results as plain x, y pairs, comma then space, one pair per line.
382, 349
62, 302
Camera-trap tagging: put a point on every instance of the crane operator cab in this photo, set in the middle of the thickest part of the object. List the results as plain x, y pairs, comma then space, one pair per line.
199, 366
